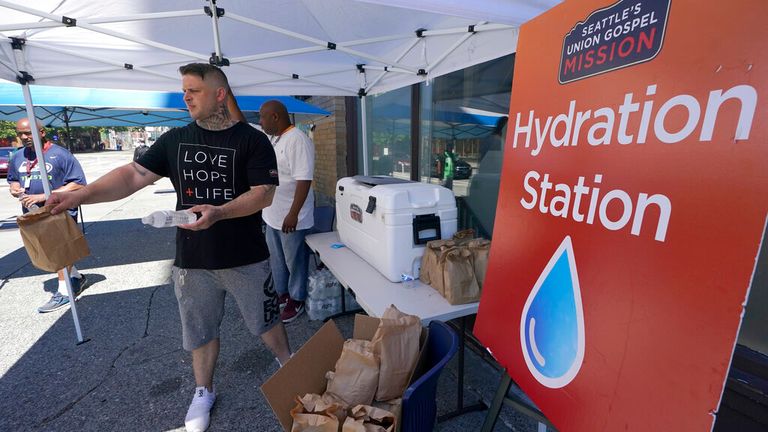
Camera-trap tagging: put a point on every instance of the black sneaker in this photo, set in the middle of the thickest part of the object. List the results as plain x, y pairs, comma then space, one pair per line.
79, 285
57, 301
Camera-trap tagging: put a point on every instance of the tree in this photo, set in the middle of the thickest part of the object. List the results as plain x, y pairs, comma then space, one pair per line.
7, 129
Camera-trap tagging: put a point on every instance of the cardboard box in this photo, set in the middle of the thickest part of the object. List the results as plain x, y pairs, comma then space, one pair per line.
305, 371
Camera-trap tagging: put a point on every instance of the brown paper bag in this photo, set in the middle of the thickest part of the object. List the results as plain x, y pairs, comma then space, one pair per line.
395, 406
313, 414
464, 235
460, 283
396, 343
364, 418
431, 272
356, 373
52, 241
328, 403
479, 249
428, 262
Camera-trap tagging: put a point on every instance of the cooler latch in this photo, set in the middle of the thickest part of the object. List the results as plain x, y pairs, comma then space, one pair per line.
371, 205
426, 228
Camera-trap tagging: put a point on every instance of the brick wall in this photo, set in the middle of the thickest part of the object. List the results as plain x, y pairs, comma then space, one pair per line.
330, 138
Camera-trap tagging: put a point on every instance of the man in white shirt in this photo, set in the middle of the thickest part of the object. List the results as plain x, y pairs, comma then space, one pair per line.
290, 216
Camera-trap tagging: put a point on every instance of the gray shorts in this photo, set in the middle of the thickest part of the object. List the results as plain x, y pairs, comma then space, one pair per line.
201, 300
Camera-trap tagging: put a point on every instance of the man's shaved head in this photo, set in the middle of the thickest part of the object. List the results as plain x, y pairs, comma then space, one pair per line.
24, 131
273, 117
208, 73
275, 107
23, 124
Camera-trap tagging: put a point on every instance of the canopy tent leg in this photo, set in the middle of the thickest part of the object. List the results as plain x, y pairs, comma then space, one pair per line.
70, 147
33, 126
364, 129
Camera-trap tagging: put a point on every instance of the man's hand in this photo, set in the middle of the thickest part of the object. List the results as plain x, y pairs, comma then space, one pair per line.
209, 216
63, 201
290, 222
16, 190
28, 200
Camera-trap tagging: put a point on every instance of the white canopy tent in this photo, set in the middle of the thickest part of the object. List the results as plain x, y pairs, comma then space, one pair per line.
294, 47
298, 47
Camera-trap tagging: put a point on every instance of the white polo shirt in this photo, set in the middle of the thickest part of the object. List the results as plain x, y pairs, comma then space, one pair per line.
295, 161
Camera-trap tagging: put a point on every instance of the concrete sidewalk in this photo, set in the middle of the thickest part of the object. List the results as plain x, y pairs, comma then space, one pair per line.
133, 374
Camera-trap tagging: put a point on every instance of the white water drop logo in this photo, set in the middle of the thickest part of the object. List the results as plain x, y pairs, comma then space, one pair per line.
552, 323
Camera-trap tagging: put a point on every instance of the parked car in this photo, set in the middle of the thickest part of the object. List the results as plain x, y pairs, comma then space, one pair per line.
5, 159
461, 169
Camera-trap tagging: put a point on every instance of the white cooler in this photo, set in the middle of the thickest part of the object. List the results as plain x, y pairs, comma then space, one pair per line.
387, 221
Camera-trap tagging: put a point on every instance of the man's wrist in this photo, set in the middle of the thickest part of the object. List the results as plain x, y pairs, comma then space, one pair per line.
83, 194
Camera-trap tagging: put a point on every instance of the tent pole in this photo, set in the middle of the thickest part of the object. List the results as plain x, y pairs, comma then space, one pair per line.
453, 47
399, 57
364, 127
33, 126
320, 44
216, 37
69, 132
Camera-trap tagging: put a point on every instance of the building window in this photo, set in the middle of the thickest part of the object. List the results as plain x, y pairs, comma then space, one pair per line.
466, 112
389, 134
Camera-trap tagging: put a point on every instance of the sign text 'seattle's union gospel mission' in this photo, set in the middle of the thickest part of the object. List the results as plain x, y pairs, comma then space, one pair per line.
633, 201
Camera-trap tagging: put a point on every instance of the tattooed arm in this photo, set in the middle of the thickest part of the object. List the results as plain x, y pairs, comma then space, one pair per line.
116, 184
246, 204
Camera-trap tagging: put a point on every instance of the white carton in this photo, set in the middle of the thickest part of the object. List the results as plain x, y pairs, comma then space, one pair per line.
388, 222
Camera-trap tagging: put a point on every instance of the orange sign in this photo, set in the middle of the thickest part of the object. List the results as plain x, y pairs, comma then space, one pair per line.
633, 201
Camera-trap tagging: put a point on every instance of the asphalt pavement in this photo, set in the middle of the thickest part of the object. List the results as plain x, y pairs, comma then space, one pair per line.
132, 374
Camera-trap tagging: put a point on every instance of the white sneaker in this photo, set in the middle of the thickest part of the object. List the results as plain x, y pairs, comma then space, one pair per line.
199, 413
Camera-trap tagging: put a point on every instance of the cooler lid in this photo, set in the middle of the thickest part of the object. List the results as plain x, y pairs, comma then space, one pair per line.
379, 180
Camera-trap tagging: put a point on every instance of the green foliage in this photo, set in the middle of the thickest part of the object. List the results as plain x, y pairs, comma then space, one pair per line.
125, 128
7, 129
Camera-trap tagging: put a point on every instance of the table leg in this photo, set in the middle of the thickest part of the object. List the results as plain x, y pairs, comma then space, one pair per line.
460, 408
498, 401
502, 397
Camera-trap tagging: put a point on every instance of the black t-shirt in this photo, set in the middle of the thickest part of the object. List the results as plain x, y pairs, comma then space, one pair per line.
215, 167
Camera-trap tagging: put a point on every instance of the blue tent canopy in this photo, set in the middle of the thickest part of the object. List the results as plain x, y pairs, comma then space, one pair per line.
57, 106
56, 116
445, 124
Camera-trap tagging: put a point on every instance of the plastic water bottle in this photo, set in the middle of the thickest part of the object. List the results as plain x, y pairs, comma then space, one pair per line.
169, 218
32, 206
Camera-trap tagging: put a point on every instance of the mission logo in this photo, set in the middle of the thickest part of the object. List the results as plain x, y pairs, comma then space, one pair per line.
623, 34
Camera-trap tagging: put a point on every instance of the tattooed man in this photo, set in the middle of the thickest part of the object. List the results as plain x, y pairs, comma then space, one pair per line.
226, 171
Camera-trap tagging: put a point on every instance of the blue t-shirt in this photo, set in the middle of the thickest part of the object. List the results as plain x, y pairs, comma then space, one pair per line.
62, 168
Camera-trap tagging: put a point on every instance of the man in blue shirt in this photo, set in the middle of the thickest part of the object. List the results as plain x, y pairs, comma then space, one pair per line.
26, 184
